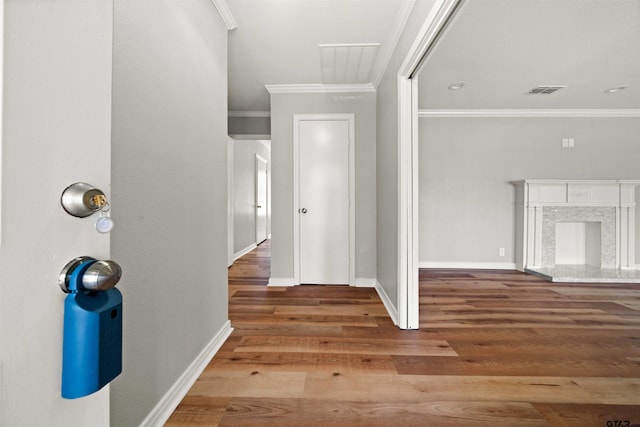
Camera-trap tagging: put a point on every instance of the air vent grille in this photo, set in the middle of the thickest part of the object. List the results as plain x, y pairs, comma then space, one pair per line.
348, 63
545, 89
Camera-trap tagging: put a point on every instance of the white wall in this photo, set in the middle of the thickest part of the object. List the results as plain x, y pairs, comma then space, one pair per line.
57, 124
283, 107
466, 202
244, 190
387, 155
169, 192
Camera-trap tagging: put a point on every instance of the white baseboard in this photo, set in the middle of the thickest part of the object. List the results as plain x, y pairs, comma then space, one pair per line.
364, 282
469, 265
391, 309
244, 251
170, 401
282, 281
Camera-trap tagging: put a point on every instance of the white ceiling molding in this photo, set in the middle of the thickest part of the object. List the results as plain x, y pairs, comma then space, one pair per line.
319, 88
251, 137
387, 48
249, 113
595, 113
225, 14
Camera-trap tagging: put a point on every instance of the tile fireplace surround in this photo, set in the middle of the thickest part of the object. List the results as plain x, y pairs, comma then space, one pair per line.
542, 204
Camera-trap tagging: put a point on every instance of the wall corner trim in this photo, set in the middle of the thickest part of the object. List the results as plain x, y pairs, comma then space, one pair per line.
225, 14
320, 88
386, 301
531, 113
170, 401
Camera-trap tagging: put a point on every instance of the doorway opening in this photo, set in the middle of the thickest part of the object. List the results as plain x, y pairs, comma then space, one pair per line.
249, 195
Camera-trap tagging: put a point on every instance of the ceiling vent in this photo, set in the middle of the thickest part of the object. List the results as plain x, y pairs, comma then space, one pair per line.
348, 63
545, 89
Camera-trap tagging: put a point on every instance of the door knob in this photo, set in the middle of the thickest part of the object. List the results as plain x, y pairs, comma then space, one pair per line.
86, 273
303, 210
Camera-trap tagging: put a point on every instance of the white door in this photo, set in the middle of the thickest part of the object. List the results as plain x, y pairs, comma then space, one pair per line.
261, 199
57, 130
324, 201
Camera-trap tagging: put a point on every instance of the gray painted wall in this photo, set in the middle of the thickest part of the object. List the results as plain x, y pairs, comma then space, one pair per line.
283, 107
466, 202
169, 191
244, 190
249, 125
387, 155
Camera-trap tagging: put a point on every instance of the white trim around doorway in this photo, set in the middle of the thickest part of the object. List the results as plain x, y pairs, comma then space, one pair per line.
297, 118
408, 290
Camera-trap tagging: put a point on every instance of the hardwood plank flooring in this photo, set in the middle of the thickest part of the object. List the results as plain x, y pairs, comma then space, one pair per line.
495, 348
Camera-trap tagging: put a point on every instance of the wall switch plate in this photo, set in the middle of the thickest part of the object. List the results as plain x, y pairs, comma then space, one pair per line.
571, 143
565, 142
501, 252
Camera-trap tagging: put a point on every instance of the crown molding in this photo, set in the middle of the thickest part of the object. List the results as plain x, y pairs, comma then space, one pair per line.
251, 137
249, 113
594, 113
387, 48
320, 88
225, 14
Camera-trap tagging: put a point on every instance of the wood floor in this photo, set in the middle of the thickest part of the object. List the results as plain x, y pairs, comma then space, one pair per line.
495, 348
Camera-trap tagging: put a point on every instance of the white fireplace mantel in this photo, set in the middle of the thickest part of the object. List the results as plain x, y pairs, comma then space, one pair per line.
540, 203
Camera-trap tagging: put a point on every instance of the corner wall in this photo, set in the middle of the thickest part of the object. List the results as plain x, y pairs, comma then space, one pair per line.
169, 192
467, 207
387, 156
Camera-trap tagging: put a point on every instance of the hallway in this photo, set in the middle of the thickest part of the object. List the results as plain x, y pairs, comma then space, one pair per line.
495, 348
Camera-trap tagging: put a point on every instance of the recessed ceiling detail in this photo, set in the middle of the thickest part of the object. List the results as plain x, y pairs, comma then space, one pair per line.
545, 89
347, 63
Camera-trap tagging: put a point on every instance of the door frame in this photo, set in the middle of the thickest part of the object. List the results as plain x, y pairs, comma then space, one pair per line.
408, 286
259, 159
297, 118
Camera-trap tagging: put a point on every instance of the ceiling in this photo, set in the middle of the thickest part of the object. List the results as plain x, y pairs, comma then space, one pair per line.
278, 42
502, 49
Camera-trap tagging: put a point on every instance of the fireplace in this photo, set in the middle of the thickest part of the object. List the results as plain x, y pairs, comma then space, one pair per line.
575, 222
588, 218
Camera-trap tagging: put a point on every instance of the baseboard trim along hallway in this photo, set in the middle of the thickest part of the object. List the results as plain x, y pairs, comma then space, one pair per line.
386, 301
163, 410
468, 265
244, 251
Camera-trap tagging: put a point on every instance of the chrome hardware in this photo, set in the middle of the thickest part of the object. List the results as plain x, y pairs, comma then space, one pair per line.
88, 274
303, 210
65, 274
102, 276
81, 200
